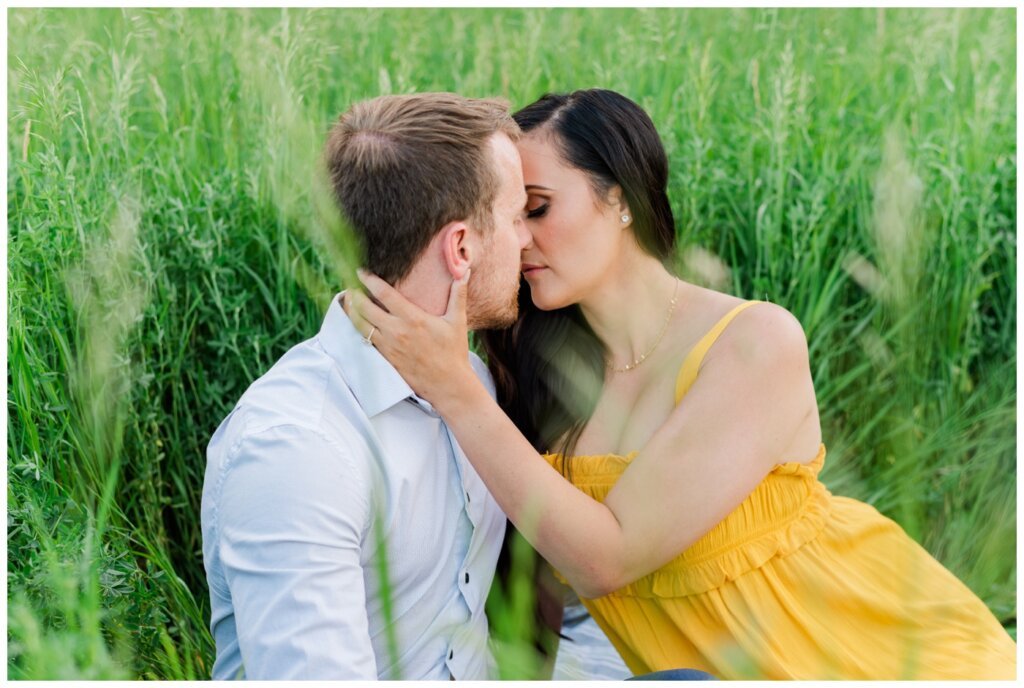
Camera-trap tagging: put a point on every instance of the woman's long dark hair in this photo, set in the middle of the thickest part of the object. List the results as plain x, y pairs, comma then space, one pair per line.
549, 367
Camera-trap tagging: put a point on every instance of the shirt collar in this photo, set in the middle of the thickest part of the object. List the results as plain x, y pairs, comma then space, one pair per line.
374, 382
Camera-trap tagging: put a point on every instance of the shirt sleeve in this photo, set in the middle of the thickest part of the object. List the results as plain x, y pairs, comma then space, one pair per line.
292, 513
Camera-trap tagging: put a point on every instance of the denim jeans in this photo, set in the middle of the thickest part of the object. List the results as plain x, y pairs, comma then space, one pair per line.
675, 675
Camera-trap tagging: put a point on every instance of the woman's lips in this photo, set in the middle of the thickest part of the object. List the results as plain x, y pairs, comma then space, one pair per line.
531, 269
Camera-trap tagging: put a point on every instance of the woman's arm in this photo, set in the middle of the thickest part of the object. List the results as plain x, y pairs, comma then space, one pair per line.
737, 419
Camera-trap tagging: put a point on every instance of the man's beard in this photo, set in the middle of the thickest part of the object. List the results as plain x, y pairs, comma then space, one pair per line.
485, 314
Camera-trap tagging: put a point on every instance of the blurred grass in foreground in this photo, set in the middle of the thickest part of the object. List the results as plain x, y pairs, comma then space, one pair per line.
168, 242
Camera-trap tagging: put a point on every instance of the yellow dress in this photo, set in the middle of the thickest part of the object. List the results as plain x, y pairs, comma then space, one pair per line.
796, 583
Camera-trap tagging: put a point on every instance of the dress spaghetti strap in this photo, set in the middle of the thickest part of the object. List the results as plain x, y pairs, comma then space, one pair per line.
691, 364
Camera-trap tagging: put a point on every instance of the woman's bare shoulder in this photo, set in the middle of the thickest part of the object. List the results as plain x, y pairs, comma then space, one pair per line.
764, 335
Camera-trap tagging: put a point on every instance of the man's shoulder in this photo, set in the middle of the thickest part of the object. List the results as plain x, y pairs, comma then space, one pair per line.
293, 392
303, 394
295, 432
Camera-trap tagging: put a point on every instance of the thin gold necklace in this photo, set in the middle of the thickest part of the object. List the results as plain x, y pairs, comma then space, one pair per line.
664, 328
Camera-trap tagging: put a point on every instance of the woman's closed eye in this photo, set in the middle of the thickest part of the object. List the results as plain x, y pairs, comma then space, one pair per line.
539, 211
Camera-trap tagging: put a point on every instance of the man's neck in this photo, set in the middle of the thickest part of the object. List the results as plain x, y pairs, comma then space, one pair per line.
426, 286
419, 287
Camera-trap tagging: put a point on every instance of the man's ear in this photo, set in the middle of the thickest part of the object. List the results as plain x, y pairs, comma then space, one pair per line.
458, 248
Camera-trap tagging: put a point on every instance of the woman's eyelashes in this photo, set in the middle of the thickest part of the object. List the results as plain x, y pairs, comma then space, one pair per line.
537, 212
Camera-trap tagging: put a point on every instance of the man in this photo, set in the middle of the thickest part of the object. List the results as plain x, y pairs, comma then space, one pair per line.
345, 534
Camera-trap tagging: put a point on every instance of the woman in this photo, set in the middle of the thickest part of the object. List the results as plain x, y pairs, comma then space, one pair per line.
685, 506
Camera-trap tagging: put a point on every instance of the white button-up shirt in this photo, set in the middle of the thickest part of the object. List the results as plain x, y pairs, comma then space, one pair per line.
328, 472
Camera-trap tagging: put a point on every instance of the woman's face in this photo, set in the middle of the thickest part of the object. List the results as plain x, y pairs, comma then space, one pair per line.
577, 237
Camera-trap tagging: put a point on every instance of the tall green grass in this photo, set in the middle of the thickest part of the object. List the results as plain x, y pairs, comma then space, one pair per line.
168, 242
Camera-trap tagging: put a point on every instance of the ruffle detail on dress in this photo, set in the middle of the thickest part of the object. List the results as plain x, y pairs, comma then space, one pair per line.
687, 575
591, 468
786, 510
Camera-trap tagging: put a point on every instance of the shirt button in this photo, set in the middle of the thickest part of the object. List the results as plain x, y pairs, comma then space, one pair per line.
467, 498
451, 653
467, 576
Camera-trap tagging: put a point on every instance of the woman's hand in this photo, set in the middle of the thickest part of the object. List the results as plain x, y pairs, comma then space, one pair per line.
430, 352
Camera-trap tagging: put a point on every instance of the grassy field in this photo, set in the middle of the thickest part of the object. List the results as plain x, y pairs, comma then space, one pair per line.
166, 245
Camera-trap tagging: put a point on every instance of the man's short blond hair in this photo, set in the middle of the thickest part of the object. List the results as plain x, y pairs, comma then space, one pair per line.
402, 167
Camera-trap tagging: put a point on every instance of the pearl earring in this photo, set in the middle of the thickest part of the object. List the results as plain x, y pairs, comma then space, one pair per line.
625, 218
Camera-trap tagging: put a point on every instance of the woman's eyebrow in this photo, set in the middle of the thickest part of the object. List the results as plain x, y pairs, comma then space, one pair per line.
538, 186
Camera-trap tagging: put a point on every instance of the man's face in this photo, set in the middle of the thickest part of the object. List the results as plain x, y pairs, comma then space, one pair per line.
493, 297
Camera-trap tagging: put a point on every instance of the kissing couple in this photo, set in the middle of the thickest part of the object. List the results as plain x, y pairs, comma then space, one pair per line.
656, 442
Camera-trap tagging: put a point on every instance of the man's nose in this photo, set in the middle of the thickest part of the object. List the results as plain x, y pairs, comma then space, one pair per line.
525, 238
